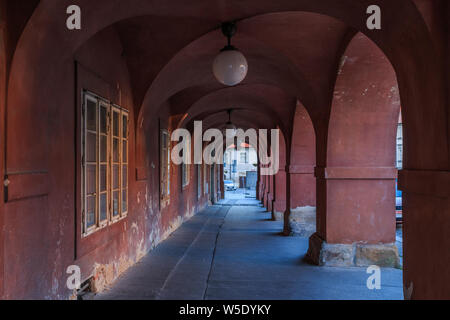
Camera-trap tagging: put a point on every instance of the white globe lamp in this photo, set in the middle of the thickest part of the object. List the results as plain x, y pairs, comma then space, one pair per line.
230, 67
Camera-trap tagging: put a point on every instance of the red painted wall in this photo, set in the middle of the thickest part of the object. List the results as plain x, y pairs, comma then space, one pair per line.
44, 194
2, 128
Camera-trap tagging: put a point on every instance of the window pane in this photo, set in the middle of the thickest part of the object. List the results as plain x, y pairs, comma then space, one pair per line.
103, 148
185, 174
124, 176
115, 203
125, 151
124, 127
163, 159
103, 178
116, 177
91, 114
91, 179
163, 168
116, 150
91, 147
90, 211
103, 207
103, 119
115, 124
168, 187
124, 201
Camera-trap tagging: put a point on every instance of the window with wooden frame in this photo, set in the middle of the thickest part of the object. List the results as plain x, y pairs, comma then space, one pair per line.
185, 167
104, 163
185, 170
164, 164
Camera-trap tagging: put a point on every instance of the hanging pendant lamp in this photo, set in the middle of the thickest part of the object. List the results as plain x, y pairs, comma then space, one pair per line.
230, 67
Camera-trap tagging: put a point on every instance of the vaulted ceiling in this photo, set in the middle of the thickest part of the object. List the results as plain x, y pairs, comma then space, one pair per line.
292, 56
294, 49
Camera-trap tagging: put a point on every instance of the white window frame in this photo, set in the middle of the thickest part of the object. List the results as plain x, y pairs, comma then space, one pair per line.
185, 175
186, 168
123, 163
122, 186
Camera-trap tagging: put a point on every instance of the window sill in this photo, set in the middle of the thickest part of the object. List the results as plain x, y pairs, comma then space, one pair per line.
103, 227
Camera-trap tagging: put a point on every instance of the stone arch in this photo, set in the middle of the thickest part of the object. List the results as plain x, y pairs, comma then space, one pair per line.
299, 174
199, 54
303, 181
258, 98
356, 188
303, 159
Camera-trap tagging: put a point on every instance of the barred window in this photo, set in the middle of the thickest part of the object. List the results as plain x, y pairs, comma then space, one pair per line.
104, 163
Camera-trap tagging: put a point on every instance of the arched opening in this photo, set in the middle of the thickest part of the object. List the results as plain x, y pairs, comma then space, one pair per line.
240, 171
357, 184
303, 184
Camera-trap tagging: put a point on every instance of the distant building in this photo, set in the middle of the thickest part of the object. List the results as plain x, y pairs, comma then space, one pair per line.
400, 143
238, 162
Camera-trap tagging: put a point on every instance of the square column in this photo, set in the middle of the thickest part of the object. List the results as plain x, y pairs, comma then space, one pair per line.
426, 227
302, 216
356, 220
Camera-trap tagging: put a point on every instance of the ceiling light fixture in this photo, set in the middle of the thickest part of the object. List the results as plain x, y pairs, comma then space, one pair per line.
230, 67
230, 125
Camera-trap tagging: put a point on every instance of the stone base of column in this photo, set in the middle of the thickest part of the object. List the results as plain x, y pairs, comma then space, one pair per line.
322, 253
302, 221
277, 216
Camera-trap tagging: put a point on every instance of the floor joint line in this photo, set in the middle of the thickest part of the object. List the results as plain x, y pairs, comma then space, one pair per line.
214, 251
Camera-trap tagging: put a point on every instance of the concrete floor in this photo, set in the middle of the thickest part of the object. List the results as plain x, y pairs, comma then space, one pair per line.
241, 194
232, 251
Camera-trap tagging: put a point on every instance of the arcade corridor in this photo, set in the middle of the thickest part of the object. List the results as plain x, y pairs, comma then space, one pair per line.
227, 251
114, 117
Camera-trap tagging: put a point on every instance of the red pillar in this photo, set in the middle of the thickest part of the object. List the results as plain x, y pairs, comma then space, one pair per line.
356, 187
270, 193
287, 229
279, 205
301, 170
258, 183
268, 204
264, 191
222, 185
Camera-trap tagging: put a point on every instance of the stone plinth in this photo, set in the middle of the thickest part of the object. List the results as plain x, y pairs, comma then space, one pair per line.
350, 255
302, 221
